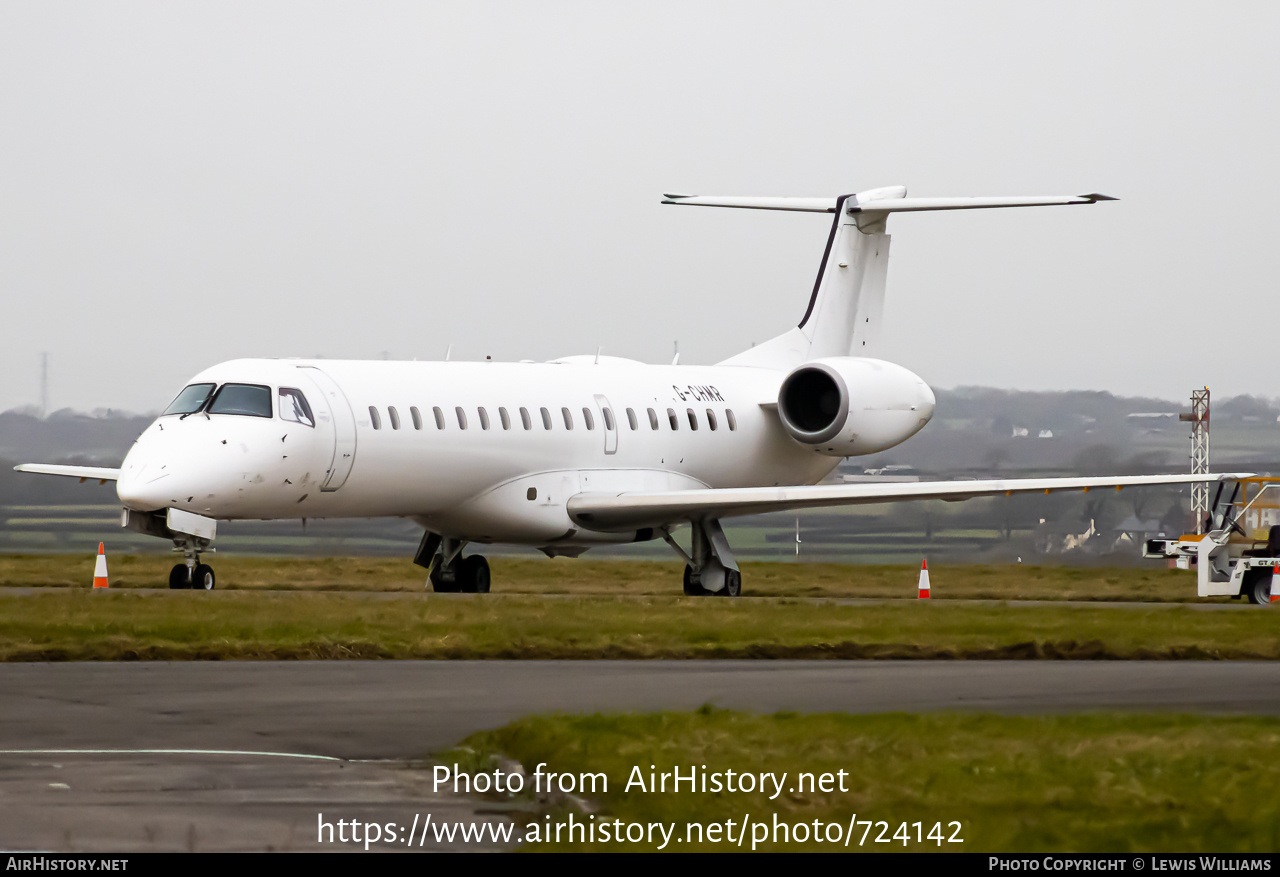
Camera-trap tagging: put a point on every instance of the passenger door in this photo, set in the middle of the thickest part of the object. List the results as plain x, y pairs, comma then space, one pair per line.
343, 426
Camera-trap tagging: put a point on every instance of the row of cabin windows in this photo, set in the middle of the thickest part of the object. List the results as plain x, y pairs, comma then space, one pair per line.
588, 418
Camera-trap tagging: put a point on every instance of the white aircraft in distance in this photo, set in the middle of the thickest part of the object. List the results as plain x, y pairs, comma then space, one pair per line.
567, 454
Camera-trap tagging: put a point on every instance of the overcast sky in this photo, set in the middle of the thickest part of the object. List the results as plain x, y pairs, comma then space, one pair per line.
184, 183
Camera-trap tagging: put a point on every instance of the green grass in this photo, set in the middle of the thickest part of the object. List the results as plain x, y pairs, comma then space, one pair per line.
517, 575
66, 624
1083, 783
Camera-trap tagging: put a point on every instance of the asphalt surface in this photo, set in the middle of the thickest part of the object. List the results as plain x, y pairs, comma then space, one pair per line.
408, 709
401, 711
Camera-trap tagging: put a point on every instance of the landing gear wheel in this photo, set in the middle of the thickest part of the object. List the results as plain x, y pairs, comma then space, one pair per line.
444, 580
1257, 586
732, 584
692, 588
202, 578
179, 578
473, 576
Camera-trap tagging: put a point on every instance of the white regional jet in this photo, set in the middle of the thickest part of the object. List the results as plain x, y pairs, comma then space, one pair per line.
568, 454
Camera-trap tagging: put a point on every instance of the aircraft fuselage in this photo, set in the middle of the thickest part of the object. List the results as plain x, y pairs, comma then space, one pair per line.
484, 451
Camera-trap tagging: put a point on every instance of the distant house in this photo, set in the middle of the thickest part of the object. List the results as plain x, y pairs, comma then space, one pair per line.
1020, 432
898, 472
1045, 433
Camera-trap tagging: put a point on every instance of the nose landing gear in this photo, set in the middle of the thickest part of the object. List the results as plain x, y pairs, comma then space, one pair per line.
191, 575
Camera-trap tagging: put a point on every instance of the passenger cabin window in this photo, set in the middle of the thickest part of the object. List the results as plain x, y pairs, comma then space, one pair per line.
653, 419
525, 418
693, 420
568, 418
733, 421
416, 415
251, 400
711, 420
191, 399
294, 407
588, 419
505, 418
546, 418
608, 419
484, 418
439, 415
462, 417
675, 421
374, 418
631, 419
395, 416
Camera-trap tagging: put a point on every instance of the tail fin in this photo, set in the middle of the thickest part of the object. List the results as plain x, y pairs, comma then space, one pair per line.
843, 316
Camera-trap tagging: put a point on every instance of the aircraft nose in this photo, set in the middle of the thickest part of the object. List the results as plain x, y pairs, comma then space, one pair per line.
145, 488
926, 402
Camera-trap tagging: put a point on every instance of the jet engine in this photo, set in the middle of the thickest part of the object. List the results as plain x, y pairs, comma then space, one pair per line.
843, 406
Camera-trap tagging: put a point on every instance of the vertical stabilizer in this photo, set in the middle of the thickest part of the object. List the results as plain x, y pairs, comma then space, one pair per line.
847, 303
843, 317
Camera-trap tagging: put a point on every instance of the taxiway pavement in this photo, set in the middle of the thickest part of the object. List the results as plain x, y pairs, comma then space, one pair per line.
371, 719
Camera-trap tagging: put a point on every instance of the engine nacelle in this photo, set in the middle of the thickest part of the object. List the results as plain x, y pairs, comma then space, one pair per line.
843, 406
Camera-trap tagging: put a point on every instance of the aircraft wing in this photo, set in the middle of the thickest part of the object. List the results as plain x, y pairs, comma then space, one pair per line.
633, 510
84, 473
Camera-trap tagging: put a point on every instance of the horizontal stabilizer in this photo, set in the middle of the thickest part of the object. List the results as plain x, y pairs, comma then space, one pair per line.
800, 205
853, 204
635, 510
84, 473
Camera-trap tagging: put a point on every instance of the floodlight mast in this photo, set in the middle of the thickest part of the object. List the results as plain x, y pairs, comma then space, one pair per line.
1199, 420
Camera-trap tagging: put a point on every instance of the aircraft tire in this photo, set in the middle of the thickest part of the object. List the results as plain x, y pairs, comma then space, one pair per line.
203, 578
732, 584
474, 575
178, 580
692, 589
442, 586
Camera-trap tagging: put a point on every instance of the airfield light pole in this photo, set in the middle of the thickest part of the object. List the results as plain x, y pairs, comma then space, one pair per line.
1199, 420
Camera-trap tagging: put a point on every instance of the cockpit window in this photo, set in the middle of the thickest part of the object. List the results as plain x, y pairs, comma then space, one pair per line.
294, 407
249, 399
190, 399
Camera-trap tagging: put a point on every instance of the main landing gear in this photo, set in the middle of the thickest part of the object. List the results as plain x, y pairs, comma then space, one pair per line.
450, 572
191, 574
712, 569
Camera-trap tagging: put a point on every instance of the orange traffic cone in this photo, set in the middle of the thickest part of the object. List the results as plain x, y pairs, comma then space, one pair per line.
924, 580
1275, 584
100, 568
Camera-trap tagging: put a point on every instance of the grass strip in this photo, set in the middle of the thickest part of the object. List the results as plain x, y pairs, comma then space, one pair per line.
123, 625
1079, 783
517, 575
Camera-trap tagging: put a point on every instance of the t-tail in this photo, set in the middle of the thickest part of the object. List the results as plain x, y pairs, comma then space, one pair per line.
844, 312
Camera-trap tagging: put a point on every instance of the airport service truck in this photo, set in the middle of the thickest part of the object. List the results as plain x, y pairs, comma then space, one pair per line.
1238, 555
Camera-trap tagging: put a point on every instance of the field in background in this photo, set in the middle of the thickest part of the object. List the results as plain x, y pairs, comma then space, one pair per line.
977, 531
976, 433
